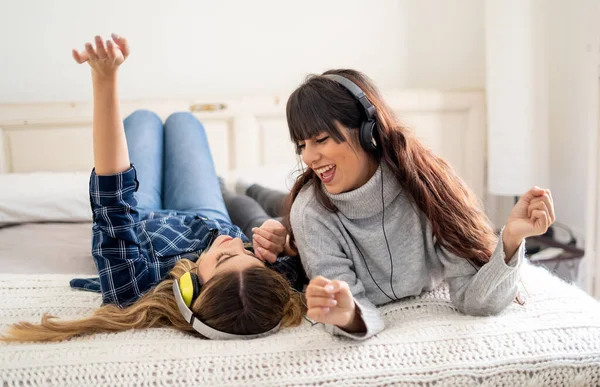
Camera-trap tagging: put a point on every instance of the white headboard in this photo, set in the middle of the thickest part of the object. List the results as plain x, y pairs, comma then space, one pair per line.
248, 136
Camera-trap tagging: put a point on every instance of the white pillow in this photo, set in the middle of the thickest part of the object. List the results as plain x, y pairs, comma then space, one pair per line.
44, 197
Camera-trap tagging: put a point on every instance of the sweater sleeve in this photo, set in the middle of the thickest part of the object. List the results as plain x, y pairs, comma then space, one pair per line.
486, 291
322, 255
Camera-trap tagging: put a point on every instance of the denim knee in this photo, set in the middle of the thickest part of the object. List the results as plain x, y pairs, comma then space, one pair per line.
185, 118
143, 117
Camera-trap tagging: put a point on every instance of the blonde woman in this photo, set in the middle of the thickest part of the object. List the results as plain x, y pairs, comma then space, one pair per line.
166, 251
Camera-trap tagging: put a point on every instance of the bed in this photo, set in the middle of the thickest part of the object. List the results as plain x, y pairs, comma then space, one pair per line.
552, 340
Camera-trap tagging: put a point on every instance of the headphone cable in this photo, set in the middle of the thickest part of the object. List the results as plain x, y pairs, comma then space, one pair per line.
385, 235
363, 257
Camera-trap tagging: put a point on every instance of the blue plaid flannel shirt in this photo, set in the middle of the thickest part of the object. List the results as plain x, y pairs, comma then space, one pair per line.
132, 255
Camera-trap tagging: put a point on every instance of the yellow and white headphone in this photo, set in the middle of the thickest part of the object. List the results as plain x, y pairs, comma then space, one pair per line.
186, 289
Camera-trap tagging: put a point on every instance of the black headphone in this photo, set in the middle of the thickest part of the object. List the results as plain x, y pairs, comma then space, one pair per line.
368, 128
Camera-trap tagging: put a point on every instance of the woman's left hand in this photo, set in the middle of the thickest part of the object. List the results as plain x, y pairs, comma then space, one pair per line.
269, 240
532, 215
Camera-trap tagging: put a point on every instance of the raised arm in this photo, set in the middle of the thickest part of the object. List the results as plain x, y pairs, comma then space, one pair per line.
493, 287
110, 146
123, 270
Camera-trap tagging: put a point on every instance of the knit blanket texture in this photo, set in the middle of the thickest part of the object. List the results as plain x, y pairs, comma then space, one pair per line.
551, 340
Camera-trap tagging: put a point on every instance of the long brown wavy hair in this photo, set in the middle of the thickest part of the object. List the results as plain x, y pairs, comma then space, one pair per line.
456, 214
246, 302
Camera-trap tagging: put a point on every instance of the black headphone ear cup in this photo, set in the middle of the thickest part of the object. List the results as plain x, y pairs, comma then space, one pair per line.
196, 284
367, 136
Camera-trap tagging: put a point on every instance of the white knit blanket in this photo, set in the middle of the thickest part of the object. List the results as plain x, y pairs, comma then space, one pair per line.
553, 340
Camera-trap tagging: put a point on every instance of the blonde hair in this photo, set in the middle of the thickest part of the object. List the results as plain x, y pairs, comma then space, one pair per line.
235, 302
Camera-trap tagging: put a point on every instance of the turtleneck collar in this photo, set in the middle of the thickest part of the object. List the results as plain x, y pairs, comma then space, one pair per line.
365, 201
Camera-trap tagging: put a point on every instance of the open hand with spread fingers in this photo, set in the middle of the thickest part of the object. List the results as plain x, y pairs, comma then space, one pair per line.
106, 57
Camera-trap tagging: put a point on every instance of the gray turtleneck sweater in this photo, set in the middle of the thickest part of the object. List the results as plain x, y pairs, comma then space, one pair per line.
346, 245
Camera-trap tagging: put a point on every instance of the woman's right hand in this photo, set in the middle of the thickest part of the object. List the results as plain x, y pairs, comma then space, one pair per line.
269, 240
106, 58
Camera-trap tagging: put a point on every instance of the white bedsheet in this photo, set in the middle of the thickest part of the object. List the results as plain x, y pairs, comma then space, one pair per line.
553, 340
47, 248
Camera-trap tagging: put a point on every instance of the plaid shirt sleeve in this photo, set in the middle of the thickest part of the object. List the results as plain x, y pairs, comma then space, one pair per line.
122, 268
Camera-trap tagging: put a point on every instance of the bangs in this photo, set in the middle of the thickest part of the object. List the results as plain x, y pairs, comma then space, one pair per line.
311, 110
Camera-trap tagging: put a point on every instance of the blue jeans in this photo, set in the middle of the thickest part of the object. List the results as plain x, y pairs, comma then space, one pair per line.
174, 165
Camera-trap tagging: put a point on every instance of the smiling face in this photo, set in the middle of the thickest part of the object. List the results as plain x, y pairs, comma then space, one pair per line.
341, 166
323, 120
225, 254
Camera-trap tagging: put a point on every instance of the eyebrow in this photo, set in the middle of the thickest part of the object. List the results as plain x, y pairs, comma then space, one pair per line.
228, 257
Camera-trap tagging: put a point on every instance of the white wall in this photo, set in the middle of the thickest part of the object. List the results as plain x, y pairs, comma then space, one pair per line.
566, 79
573, 71
190, 49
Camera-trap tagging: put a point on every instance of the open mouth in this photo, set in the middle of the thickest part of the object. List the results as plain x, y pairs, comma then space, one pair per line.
326, 173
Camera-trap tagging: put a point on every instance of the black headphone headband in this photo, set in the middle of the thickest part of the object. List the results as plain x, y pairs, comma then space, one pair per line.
368, 128
356, 92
